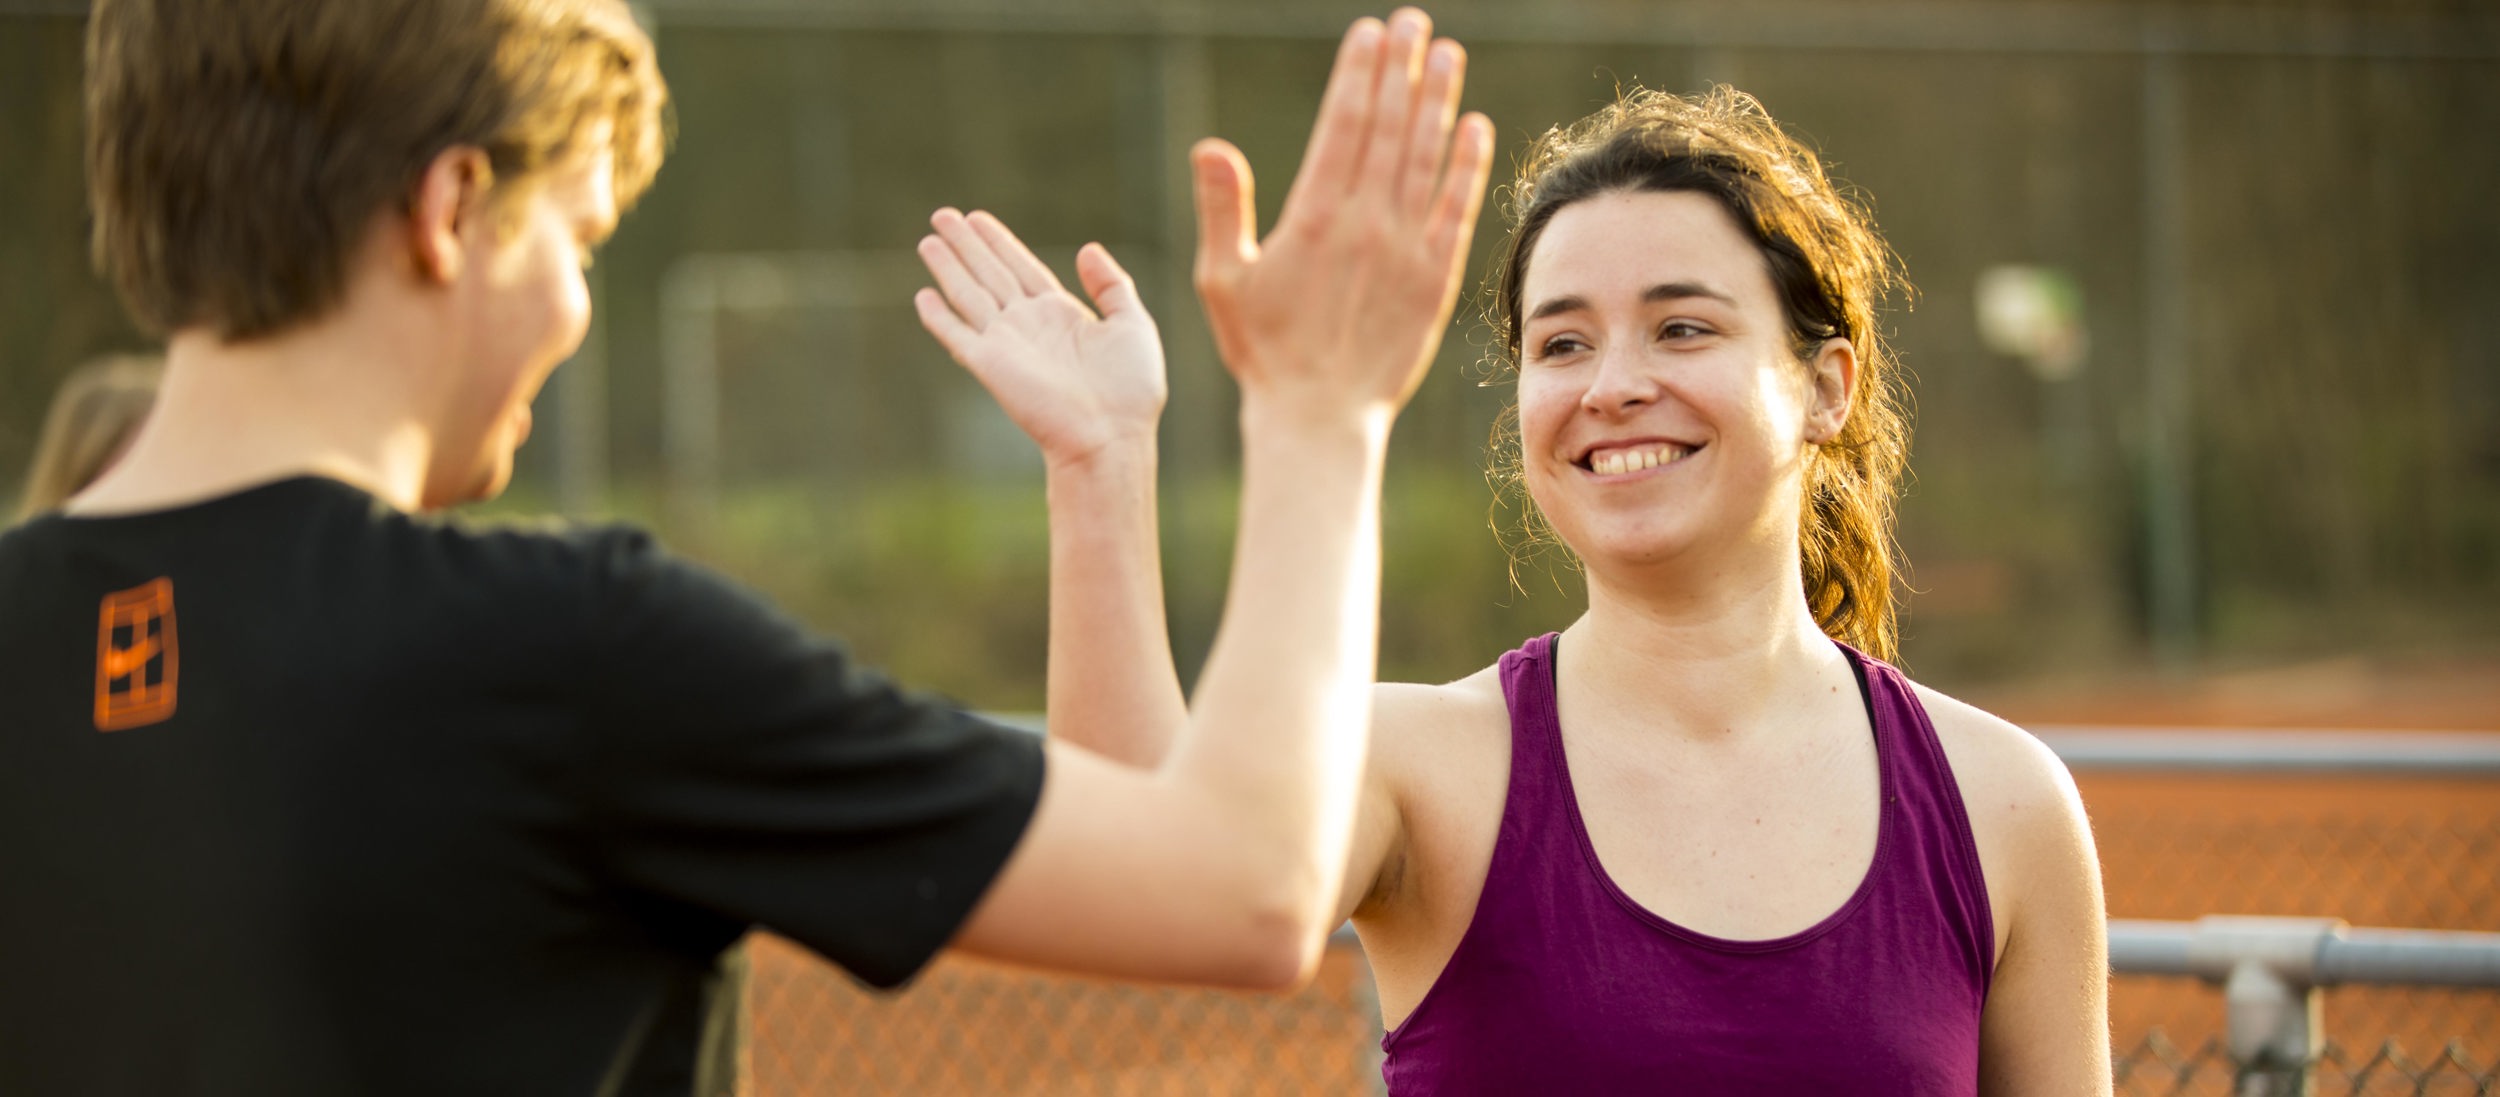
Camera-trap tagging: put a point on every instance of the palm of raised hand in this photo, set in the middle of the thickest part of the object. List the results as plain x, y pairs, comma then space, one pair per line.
1071, 379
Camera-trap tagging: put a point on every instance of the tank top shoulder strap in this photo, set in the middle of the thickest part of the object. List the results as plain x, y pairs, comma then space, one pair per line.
1935, 825
1537, 809
1535, 722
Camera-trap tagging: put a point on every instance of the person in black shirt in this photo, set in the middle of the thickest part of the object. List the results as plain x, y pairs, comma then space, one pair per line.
306, 791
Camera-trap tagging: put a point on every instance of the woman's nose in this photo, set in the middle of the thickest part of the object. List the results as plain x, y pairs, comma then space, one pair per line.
1623, 382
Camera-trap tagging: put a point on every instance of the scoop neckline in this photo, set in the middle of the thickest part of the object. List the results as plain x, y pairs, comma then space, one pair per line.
1886, 808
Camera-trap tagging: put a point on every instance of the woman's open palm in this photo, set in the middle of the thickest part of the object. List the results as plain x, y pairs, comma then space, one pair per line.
1072, 379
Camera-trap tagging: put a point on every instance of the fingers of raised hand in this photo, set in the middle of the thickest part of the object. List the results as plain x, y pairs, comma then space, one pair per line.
1394, 104
1113, 291
1461, 196
1345, 111
1031, 274
950, 330
1428, 136
978, 257
972, 301
1227, 215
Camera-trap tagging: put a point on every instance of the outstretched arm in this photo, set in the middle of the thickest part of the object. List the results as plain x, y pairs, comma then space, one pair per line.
1222, 863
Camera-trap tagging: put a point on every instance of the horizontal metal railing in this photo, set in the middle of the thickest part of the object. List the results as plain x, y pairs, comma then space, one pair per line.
2238, 750
2319, 952
2275, 750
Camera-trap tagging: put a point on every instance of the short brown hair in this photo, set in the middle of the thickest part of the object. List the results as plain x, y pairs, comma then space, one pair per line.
1832, 271
238, 151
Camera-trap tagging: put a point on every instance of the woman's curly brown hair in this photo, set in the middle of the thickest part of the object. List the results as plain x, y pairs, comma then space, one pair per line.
1833, 274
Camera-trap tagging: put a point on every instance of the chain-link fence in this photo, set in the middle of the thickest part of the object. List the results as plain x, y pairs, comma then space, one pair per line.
968, 1028
2409, 851
2419, 852
973, 1028
2156, 1067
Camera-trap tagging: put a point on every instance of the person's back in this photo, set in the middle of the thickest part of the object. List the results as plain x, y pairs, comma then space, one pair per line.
426, 783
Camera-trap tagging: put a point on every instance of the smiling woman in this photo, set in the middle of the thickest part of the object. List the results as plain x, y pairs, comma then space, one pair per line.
1707, 838
1714, 837
1828, 270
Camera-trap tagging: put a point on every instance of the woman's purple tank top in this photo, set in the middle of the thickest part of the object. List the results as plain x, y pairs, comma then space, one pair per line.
1563, 984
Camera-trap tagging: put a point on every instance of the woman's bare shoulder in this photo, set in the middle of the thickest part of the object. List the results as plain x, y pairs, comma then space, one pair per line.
1441, 752
1439, 764
2026, 816
1995, 762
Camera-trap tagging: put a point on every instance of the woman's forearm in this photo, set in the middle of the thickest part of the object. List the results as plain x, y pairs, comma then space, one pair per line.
1112, 686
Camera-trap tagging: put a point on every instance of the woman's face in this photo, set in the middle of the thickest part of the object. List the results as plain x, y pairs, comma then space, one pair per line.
1661, 407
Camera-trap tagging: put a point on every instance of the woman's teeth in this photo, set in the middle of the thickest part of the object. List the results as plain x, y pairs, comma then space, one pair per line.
1615, 462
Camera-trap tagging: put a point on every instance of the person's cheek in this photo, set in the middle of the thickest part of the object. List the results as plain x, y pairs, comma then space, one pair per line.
573, 314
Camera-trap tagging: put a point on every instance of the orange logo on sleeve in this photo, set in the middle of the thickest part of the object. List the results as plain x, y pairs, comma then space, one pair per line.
136, 662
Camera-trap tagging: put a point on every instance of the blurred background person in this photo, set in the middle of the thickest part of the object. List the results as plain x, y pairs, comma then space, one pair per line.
93, 418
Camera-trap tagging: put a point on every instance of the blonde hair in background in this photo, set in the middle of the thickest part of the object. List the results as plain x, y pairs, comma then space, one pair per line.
94, 415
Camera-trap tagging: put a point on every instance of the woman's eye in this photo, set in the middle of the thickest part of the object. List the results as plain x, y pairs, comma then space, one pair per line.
1560, 344
1681, 329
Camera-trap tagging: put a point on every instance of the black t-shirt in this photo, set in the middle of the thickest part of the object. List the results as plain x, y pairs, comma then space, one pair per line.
302, 795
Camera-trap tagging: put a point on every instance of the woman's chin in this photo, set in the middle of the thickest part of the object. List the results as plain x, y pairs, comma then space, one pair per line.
1640, 548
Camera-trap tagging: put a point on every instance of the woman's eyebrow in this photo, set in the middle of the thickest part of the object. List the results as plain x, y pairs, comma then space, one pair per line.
1663, 291
1556, 305
1677, 291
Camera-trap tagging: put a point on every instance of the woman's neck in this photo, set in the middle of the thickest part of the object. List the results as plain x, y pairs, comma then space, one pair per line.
1703, 653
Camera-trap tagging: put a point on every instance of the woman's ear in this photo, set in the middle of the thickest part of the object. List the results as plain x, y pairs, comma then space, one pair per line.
1831, 387
449, 195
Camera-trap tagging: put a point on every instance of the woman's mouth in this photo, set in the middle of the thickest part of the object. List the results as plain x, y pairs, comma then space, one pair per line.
1618, 460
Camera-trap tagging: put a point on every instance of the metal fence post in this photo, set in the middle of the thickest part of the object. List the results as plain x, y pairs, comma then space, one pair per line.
2272, 1029
2269, 973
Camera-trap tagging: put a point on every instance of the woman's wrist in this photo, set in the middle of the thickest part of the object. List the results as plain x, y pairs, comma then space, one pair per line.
1113, 453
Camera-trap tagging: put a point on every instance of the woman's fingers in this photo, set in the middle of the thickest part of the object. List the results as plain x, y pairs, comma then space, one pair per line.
973, 303
1031, 274
949, 329
1112, 290
1428, 137
975, 253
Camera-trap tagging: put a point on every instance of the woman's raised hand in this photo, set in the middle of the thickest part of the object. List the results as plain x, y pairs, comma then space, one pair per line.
1341, 308
1073, 380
